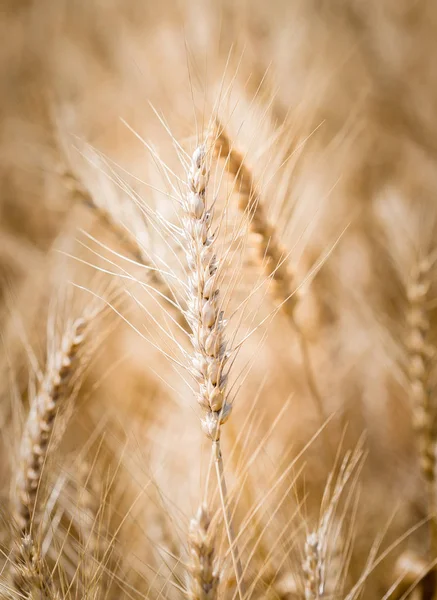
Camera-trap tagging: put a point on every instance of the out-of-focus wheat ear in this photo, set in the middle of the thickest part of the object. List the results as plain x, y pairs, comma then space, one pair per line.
412, 572
325, 562
126, 239
271, 252
203, 570
420, 355
210, 356
44, 406
39, 425
79, 193
313, 568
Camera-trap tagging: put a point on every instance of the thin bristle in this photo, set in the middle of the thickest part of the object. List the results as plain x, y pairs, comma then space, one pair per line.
210, 353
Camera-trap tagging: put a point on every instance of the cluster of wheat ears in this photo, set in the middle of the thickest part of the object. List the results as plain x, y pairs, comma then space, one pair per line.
224, 386
63, 531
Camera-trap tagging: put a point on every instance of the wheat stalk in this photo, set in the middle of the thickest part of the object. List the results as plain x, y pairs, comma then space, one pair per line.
207, 322
270, 250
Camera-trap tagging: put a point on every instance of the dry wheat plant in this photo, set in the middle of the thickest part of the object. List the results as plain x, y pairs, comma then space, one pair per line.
218, 283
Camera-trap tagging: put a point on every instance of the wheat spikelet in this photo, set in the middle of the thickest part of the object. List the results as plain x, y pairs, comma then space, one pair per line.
203, 571
324, 560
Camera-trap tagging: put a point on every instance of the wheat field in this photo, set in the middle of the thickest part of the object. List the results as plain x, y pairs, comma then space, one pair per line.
218, 258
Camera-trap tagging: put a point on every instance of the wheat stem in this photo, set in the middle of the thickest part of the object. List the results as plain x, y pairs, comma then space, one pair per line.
218, 459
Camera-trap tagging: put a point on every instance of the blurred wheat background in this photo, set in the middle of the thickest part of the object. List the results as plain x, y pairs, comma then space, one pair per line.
205, 206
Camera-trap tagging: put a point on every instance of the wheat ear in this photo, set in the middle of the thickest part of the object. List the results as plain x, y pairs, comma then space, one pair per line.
106, 218
34, 450
313, 567
270, 249
318, 568
39, 425
203, 570
206, 320
31, 577
272, 253
419, 369
124, 236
